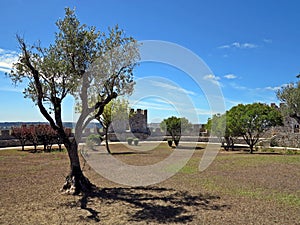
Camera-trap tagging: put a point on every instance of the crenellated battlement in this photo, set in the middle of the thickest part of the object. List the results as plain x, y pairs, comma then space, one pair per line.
138, 120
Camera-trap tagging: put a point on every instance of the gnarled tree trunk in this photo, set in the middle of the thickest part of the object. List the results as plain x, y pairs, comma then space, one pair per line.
106, 141
76, 182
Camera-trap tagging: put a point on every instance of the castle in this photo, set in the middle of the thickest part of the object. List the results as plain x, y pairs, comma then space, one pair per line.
136, 124
290, 125
138, 121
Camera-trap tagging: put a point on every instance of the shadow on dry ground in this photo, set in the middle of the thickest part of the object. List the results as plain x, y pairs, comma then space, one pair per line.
150, 204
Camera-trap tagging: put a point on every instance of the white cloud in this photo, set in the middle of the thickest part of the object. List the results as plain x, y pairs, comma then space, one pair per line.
4, 69
236, 44
224, 46
272, 88
248, 45
230, 76
172, 87
7, 58
11, 89
153, 104
238, 87
239, 45
212, 78
232, 102
268, 41
205, 112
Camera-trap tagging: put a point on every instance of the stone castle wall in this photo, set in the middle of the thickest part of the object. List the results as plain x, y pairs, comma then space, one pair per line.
138, 121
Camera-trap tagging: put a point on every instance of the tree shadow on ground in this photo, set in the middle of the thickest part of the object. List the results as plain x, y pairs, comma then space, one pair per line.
189, 147
152, 204
129, 153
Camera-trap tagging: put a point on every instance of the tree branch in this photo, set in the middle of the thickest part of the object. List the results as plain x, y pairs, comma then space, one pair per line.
37, 83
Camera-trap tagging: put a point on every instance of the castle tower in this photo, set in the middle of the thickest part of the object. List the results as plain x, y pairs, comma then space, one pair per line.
138, 121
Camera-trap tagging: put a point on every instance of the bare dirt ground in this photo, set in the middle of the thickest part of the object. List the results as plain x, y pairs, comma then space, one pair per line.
238, 188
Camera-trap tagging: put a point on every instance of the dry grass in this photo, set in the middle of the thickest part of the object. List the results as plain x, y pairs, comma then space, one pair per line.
235, 189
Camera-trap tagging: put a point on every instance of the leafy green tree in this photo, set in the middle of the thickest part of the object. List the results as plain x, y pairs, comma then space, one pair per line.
251, 121
115, 111
217, 126
175, 127
290, 95
93, 67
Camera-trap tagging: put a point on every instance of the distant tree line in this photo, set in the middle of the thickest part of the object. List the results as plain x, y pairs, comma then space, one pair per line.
250, 121
42, 134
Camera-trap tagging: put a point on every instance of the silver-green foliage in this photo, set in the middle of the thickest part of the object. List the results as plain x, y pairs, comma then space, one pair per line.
290, 95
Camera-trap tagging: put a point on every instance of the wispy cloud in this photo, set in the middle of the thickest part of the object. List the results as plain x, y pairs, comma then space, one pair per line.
7, 58
251, 94
170, 87
268, 41
205, 112
230, 76
272, 88
238, 45
152, 105
11, 89
212, 78
238, 86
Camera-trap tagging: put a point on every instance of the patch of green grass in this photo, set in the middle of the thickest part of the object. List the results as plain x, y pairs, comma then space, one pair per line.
285, 198
247, 192
12, 152
221, 185
210, 184
189, 169
244, 160
283, 151
177, 167
212, 180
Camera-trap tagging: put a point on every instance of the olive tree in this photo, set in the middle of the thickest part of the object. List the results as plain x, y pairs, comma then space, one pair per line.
290, 95
175, 126
251, 121
92, 66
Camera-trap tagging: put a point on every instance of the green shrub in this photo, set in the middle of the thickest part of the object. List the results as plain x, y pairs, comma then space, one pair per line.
95, 138
136, 141
170, 142
291, 152
129, 140
273, 142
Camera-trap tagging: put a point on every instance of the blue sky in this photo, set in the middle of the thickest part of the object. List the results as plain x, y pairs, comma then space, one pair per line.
251, 47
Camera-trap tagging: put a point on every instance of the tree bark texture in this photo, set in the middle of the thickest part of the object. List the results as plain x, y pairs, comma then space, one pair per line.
76, 182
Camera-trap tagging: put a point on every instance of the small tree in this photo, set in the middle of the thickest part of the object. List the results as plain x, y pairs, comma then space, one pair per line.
250, 121
217, 126
46, 135
21, 133
175, 126
117, 111
33, 136
93, 67
290, 95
